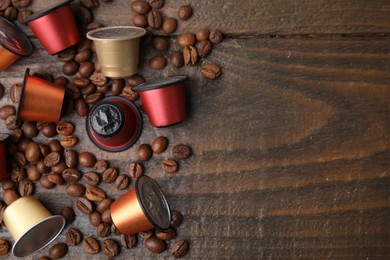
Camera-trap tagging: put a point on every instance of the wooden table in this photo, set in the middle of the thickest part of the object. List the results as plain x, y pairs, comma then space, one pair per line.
291, 145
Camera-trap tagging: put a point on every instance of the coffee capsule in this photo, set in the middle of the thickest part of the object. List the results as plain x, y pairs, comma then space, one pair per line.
40, 100
141, 208
13, 44
117, 49
55, 27
164, 100
114, 124
31, 225
3, 155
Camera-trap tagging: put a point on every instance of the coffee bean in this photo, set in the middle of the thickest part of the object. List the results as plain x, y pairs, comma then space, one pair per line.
117, 86
179, 248
170, 25
128, 241
52, 159
186, 39
26, 188
176, 219
204, 48
4, 4
155, 19
169, 166
101, 166
69, 141
71, 175
159, 144
135, 80
75, 190
86, 70
140, 20
30, 129
140, 7
190, 55
93, 98
95, 194
103, 88
216, 36
185, 12
47, 129
70, 68
72, 91
94, 26
24, 14
110, 175
160, 44
11, 122
65, 128
45, 183
16, 136
110, 248
55, 146
61, 80
114, 230
135, 170
157, 62
95, 219
103, 230
6, 111
122, 182
58, 251
98, 79
56, 178
18, 174
84, 205
91, 178
155, 245
68, 214
144, 152
87, 159
59, 168
104, 205
106, 216
84, 15
166, 235
89, 3
202, 34
4, 246
20, 158
11, 13
80, 82
22, 145
181, 151
211, 71
67, 56
10, 196
8, 184
42, 168
129, 94
21, 3
33, 152
91, 88
73, 237
33, 172
176, 59
81, 107
71, 158
146, 234
91, 246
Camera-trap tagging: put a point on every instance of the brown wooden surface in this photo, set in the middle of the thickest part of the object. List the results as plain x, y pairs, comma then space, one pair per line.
291, 145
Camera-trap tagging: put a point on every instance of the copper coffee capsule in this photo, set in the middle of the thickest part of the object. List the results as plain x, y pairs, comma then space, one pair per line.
13, 44
141, 208
31, 225
3, 156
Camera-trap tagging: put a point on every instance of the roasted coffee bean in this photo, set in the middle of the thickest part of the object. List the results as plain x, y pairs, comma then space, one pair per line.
167, 234
140, 7
26, 188
70, 68
20, 158
110, 175
75, 190
59, 168
68, 214
16, 136
202, 34
71, 158
144, 152
45, 149
8, 184
89, 3
42, 168
30, 129
69, 141
101, 166
135, 80
24, 14
190, 55
73, 237
110, 248
104, 205
67, 56
129, 94
186, 39
10, 196
140, 20
135, 170
91, 88
146, 234
52, 159
22, 145
122, 182
169, 166
18, 174
80, 82
91, 246
176, 59
72, 91
128, 241
11, 13
61, 80
154, 19
103, 230
114, 230
87, 159
91, 178
159, 144
103, 89
157, 62
156, 3
204, 48
95, 194
176, 219
94, 26
56, 178
179, 248
4, 4
45, 183
116, 86
95, 219
185, 12
155, 245
47, 129
33, 153
71, 175
21, 3
81, 107
170, 25
4, 246
33, 173
58, 251
160, 44
86, 69
84, 205
93, 98
84, 15
55, 146
211, 71
6, 111
181, 151
216, 36
106, 216
11, 122
98, 79
85, 44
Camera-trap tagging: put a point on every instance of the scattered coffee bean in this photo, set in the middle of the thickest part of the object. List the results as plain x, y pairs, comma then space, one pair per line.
159, 144
86, 70
101, 166
95, 218
179, 248
155, 19
140, 20
190, 55
204, 48
176, 219
72, 91
26, 188
20, 158
4, 246
16, 136
11, 13
75, 190
89, 3
21, 3
181, 151
186, 39
135, 170
47, 129
91, 88
33, 172
211, 71
84, 15
55, 146
135, 80
58, 251
8, 184
93, 98
98, 79
166, 235
18, 174
129, 94
22, 145
140, 7
146, 234
73, 237
103, 230
103, 88
80, 82
91, 246
87, 159
144, 152
156, 3
176, 59
81, 107
10, 196
157, 62
128, 241
4, 4
104, 205
56, 178
160, 44
84, 205
117, 86
70, 68
106, 216
202, 34
59, 168
67, 55
155, 245
122, 182
30, 129
61, 80
114, 230
45, 149
71, 158
33, 152
85, 44
42, 168
95, 194
71, 175
170, 25
6, 111
45, 183
169, 166
91, 178
11, 122
69, 141
185, 12
216, 36
110, 175
52, 159
110, 248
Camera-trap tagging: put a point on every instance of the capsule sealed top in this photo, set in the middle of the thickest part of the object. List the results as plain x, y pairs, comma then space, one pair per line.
13, 39
116, 33
107, 120
159, 83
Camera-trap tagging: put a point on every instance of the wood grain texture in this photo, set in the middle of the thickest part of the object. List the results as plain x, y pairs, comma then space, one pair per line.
291, 145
